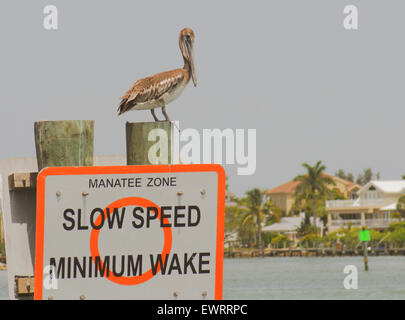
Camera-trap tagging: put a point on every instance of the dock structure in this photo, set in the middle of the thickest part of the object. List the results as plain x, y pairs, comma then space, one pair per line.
388, 249
57, 143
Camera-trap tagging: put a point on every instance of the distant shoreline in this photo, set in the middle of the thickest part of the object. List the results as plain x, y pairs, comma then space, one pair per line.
311, 252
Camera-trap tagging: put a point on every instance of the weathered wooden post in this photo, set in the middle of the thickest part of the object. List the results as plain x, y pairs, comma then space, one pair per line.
57, 143
365, 251
364, 236
149, 142
64, 143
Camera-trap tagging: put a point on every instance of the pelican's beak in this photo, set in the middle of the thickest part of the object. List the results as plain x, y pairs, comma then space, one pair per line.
192, 68
190, 51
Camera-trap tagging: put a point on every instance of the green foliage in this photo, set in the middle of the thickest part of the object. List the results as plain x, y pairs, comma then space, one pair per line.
397, 235
396, 232
248, 215
396, 226
377, 235
335, 194
267, 237
256, 209
367, 176
305, 228
247, 235
395, 215
279, 239
234, 222
401, 204
313, 189
310, 239
2, 247
343, 175
232, 219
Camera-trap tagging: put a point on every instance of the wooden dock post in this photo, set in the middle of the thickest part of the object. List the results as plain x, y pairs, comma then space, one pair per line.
365, 255
149, 142
64, 143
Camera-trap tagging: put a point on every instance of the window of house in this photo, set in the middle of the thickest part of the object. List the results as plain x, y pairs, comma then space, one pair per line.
353, 196
370, 195
350, 216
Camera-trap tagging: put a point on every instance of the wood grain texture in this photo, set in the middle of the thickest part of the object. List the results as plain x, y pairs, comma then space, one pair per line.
64, 143
138, 145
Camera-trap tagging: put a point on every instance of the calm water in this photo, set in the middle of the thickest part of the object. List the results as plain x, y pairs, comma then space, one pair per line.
304, 278
312, 278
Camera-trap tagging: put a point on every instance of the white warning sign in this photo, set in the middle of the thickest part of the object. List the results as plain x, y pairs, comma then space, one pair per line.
130, 232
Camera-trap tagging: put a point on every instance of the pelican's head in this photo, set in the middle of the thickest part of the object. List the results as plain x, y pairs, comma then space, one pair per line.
186, 42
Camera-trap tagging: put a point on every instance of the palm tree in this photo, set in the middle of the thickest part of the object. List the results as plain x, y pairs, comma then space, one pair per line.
256, 207
401, 204
314, 186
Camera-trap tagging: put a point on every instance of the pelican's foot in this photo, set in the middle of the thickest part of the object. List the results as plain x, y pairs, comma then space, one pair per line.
165, 114
154, 115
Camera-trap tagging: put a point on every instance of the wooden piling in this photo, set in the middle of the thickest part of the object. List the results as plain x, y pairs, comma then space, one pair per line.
149, 142
64, 143
365, 255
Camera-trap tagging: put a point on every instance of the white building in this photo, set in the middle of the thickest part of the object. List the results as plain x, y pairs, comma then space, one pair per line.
373, 208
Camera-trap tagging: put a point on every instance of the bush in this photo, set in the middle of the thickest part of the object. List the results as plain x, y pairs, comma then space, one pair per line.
278, 239
310, 239
396, 225
397, 236
305, 229
2, 247
376, 235
267, 237
347, 237
396, 232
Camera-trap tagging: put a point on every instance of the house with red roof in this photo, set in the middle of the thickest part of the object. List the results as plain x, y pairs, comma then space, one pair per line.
283, 196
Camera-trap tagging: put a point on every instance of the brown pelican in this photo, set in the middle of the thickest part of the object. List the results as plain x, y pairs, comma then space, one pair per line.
162, 88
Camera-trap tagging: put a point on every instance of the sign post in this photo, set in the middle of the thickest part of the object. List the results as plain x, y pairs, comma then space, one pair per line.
364, 236
130, 232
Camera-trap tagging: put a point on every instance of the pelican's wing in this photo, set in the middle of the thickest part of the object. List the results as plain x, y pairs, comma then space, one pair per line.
151, 88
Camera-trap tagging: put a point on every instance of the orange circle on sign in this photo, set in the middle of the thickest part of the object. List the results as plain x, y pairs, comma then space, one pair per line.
167, 233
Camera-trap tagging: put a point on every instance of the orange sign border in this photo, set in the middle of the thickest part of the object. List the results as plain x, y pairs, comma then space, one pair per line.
52, 171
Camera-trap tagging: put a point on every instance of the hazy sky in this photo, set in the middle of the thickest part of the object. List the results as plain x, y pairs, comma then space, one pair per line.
313, 90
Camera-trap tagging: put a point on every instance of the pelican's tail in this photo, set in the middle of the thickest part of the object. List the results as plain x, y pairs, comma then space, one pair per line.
122, 107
